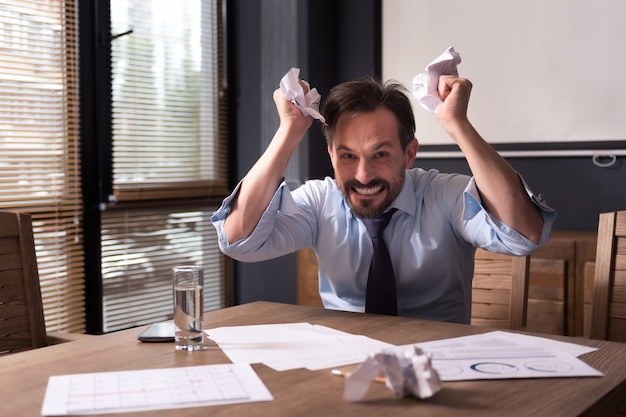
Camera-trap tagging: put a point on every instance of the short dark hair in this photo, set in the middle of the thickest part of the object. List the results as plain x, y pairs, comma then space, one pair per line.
366, 95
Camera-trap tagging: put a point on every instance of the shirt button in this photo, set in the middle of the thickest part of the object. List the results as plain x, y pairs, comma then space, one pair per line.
540, 197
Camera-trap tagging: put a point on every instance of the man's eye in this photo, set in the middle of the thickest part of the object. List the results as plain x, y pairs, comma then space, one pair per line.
346, 156
381, 155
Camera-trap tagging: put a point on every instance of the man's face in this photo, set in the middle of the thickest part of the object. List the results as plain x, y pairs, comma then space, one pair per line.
369, 161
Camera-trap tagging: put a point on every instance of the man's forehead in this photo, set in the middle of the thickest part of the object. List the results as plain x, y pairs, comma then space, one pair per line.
376, 128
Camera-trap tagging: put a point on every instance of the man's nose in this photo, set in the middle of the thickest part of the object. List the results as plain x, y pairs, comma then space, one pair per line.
365, 172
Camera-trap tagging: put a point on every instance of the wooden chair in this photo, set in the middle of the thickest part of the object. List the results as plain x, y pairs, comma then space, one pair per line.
308, 281
500, 290
608, 317
22, 325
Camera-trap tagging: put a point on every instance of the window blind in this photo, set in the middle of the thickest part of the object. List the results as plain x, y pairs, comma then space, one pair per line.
166, 92
169, 147
39, 146
141, 246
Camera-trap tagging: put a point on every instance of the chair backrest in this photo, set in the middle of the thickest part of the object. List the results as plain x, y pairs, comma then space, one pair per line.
500, 290
608, 317
22, 325
308, 280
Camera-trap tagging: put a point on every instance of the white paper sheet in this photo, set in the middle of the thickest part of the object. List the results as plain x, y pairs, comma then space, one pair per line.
293, 345
152, 389
504, 355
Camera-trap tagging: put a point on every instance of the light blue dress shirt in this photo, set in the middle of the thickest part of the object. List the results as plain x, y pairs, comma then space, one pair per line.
431, 239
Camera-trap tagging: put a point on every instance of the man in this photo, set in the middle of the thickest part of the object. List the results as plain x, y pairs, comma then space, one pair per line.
439, 219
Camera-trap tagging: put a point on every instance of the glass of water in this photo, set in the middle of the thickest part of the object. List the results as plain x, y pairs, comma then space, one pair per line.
188, 283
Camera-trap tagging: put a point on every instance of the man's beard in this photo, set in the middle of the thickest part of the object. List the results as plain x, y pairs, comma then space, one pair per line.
367, 208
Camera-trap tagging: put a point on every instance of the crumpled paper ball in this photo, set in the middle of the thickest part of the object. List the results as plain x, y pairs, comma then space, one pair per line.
408, 373
308, 103
425, 85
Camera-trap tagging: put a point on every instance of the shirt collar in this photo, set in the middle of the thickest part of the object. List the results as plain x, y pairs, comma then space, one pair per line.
406, 201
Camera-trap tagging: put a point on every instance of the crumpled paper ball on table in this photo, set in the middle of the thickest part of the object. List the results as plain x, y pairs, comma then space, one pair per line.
408, 373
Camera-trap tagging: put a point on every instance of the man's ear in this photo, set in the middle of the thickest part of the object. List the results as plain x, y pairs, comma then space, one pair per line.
411, 151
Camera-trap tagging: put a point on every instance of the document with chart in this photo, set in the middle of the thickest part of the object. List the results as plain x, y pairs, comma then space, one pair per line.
153, 389
504, 355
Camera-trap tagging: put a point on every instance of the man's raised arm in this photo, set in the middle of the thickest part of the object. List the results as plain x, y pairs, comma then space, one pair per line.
500, 187
263, 179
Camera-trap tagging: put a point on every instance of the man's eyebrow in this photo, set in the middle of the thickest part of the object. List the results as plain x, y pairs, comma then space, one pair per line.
343, 148
381, 144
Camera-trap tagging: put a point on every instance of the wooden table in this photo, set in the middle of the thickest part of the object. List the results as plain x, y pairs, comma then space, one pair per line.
318, 393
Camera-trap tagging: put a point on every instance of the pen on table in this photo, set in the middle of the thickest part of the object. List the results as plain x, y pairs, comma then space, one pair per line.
339, 372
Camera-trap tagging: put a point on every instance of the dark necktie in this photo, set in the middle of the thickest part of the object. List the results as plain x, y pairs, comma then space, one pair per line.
380, 296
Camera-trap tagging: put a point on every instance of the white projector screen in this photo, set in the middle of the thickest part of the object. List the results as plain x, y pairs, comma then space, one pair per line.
544, 71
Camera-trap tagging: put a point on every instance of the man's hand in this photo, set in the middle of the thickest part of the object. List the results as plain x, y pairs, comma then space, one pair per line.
291, 118
455, 93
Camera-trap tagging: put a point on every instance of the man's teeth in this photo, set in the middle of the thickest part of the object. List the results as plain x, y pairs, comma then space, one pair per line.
368, 190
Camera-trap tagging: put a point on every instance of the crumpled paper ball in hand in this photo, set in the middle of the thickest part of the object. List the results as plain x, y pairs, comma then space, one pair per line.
425, 86
408, 373
309, 103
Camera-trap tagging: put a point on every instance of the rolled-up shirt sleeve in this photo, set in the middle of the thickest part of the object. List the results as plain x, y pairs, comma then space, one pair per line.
501, 238
282, 229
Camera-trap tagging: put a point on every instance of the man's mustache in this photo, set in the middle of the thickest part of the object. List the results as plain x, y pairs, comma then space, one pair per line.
349, 184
